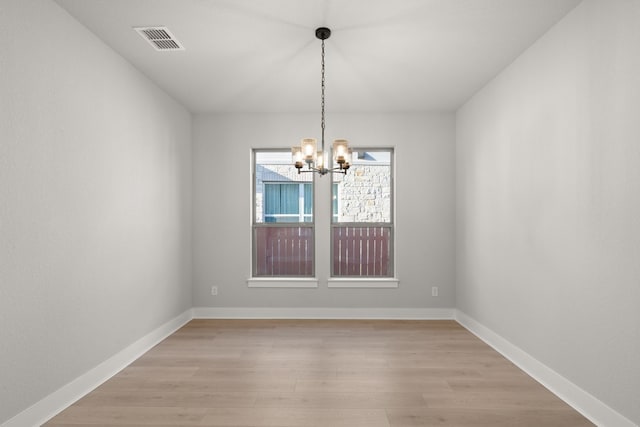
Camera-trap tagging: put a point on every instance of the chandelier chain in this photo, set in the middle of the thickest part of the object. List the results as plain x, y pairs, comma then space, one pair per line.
322, 125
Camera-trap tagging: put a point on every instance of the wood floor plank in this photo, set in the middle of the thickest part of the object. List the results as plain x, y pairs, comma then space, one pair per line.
331, 401
157, 416
294, 417
329, 373
496, 400
169, 399
393, 385
420, 417
158, 372
202, 385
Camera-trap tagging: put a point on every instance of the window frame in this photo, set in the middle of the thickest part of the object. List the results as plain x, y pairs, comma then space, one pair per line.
285, 280
347, 281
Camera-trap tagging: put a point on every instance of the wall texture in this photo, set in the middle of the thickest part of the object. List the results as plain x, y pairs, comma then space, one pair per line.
548, 202
424, 154
95, 203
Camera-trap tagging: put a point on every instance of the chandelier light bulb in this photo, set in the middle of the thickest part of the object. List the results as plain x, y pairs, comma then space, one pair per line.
309, 149
297, 157
340, 150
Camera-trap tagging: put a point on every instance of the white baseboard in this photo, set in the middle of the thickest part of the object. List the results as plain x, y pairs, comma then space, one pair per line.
583, 402
322, 313
59, 400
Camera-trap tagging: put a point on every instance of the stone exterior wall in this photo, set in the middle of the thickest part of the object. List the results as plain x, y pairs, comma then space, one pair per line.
365, 194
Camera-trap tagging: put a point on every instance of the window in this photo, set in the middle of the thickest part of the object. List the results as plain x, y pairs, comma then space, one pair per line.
283, 224
334, 201
362, 220
284, 202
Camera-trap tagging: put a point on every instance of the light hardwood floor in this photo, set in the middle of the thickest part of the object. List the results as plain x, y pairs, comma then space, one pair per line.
321, 373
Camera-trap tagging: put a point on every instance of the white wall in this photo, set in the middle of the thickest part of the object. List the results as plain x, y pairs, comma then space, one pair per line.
548, 202
424, 152
94, 203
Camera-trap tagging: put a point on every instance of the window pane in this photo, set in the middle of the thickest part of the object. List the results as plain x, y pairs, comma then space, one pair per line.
361, 251
289, 196
283, 251
281, 194
364, 193
281, 202
308, 203
334, 202
271, 202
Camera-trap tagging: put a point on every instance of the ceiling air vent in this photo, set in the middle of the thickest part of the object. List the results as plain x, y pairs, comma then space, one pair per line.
160, 38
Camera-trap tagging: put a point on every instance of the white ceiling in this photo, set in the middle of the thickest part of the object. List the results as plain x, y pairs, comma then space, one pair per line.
262, 55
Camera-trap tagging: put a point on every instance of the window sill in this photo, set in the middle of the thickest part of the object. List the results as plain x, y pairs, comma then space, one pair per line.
282, 282
386, 282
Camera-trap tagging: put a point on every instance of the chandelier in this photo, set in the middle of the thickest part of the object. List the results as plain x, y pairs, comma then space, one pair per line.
307, 152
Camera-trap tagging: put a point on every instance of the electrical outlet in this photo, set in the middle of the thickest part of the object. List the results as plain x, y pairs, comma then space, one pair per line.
214, 290
434, 291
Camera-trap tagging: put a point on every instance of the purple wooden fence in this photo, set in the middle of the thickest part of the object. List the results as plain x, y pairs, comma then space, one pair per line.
284, 251
361, 251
